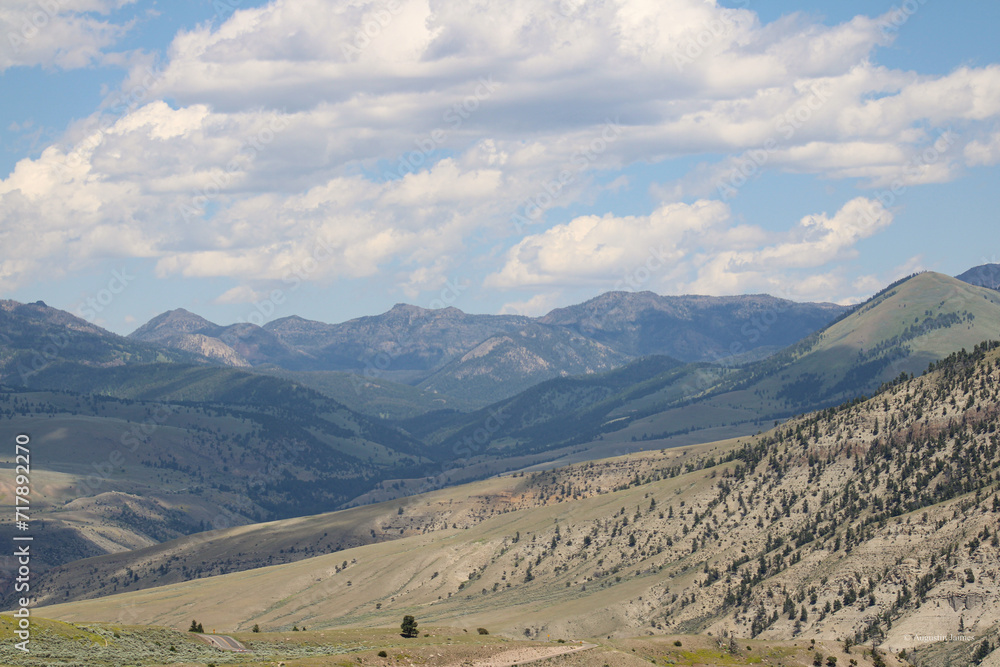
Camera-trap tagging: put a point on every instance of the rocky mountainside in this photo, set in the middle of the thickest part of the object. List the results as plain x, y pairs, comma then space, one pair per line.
482, 358
875, 522
507, 363
985, 275
241, 345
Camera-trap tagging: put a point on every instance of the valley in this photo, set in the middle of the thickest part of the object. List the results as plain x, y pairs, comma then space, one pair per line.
844, 489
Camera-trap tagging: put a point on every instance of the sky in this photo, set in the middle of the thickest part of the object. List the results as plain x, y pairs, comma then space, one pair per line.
330, 158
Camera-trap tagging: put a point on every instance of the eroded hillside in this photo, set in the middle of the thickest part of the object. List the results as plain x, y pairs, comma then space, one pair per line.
875, 521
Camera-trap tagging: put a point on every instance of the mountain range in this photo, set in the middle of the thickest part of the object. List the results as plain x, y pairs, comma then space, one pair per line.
164, 452
873, 522
484, 358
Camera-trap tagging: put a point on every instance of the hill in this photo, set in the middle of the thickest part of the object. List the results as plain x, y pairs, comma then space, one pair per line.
874, 520
902, 329
905, 327
181, 448
241, 345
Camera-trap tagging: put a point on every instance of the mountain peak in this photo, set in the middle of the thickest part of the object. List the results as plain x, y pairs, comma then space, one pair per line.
173, 321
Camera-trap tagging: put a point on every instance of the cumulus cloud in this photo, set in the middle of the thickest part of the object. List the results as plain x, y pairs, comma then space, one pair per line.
538, 305
787, 266
239, 294
67, 34
313, 140
694, 248
593, 249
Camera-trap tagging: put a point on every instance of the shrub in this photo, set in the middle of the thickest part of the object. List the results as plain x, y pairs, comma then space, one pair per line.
383, 654
482, 631
678, 643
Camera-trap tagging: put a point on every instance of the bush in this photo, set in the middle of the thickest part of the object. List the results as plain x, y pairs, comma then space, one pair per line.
678, 643
383, 654
409, 626
482, 631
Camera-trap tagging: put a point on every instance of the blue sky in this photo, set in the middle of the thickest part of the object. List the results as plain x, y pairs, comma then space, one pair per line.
254, 160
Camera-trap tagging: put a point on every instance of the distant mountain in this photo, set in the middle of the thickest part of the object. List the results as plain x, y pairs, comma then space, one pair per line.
240, 345
903, 329
34, 337
985, 275
404, 340
693, 328
507, 363
482, 358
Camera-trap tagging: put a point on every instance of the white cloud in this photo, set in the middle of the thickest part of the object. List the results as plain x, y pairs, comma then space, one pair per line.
277, 139
594, 249
790, 265
239, 294
983, 152
537, 305
68, 34
696, 249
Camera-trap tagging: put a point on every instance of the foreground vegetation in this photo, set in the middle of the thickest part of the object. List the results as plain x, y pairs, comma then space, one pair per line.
105, 645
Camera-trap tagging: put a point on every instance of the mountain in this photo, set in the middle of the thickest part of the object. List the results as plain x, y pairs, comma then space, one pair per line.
875, 521
985, 275
406, 340
910, 324
479, 359
693, 328
507, 363
241, 345
34, 337
658, 401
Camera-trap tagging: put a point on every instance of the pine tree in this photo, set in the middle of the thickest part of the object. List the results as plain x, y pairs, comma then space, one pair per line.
409, 626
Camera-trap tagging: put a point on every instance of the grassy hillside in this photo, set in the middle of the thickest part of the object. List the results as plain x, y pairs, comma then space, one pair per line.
918, 321
873, 521
111, 474
373, 395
